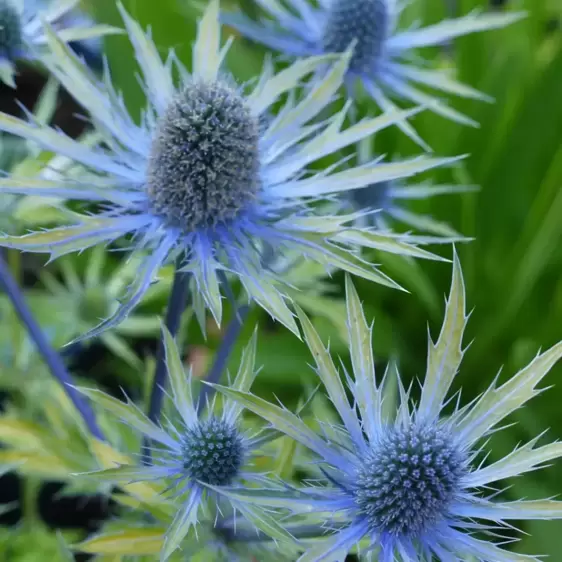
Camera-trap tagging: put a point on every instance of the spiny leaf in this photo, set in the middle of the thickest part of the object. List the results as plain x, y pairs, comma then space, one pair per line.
444, 357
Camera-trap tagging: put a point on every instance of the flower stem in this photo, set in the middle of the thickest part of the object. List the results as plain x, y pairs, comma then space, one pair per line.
176, 306
221, 359
50, 356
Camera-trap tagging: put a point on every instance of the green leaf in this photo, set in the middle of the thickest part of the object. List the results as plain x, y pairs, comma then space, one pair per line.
134, 541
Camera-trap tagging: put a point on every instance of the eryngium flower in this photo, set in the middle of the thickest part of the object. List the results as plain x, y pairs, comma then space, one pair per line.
383, 57
22, 35
413, 486
211, 176
196, 455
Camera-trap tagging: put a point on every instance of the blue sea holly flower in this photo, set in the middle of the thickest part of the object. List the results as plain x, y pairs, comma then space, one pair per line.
210, 176
22, 34
196, 454
414, 485
384, 58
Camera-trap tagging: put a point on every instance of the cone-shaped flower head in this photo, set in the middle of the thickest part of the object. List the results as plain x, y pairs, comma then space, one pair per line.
212, 176
22, 34
364, 23
203, 168
383, 50
195, 454
412, 484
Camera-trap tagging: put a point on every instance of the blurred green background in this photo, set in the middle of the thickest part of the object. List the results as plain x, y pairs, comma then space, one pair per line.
513, 268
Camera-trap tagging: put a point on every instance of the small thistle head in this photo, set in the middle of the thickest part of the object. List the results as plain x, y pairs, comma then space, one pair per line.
213, 452
408, 480
204, 163
362, 21
11, 32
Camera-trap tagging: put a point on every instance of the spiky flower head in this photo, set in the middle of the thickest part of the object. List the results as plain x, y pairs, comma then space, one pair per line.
212, 177
363, 22
383, 51
213, 452
408, 479
203, 169
22, 33
197, 452
411, 485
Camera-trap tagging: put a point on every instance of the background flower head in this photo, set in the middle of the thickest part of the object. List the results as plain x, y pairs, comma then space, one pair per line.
22, 35
389, 201
211, 176
415, 485
197, 452
383, 54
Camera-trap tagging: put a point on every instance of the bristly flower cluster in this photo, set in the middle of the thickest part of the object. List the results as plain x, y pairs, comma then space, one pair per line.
22, 33
413, 486
211, 177
197, 454
383, 52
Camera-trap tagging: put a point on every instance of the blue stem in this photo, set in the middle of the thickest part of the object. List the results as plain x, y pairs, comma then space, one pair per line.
176, 306
50, 356
221, 359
